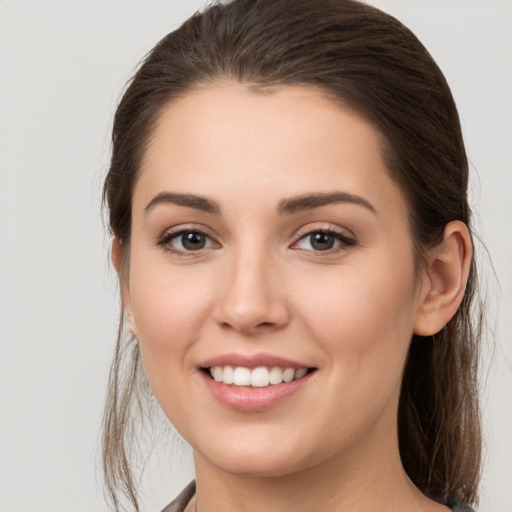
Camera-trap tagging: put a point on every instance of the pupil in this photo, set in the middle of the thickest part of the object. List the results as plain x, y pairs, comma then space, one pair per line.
322, 241
193, 241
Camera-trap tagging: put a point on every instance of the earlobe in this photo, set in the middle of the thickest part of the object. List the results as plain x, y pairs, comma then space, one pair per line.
115, 254
445, 279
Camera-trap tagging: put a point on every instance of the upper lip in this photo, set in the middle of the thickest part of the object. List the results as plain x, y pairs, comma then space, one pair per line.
251, 361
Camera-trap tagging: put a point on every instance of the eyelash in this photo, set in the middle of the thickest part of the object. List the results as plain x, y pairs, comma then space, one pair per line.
165, 241
344, 242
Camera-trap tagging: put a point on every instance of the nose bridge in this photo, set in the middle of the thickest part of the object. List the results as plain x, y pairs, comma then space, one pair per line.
252, 296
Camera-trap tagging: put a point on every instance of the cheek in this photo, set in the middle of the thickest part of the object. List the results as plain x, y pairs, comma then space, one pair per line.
363, 324
169, 308
363, 319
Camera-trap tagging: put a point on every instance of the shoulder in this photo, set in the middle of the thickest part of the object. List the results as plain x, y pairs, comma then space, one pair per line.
181, 501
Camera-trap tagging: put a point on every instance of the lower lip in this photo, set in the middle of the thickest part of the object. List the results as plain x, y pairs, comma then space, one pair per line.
254, 399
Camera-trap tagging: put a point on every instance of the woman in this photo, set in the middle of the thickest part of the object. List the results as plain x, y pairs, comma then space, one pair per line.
288, 204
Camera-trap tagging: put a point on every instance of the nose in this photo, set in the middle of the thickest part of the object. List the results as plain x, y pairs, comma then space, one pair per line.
252, 299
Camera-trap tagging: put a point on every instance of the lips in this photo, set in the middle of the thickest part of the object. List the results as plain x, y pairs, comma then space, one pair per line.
251, 361
253, 383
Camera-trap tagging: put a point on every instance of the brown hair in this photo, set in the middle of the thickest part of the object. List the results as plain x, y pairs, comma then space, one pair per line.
371, 63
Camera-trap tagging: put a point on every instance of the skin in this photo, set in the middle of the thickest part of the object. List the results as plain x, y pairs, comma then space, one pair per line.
258, 285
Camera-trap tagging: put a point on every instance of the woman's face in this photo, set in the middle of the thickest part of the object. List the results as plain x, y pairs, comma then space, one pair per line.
269, 242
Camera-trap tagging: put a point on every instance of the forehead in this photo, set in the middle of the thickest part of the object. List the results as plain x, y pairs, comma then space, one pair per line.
283, 141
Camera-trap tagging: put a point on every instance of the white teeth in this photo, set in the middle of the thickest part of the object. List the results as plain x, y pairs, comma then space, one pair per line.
242, 376
300, 373
228, 375
258, 377
217, 373
288, 374
275, 375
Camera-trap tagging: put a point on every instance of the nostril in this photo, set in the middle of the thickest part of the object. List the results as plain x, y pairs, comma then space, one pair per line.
247, 326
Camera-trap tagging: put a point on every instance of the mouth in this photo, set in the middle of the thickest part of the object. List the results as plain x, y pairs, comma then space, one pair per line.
254, 382
258, 377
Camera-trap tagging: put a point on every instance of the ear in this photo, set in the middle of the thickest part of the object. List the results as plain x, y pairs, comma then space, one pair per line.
116, 255
444, 280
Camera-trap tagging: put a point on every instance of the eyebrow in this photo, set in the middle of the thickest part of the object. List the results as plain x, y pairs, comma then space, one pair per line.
286, 206
188, 200
317, 200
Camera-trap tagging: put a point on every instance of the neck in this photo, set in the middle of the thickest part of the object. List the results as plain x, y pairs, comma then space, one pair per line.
367, 478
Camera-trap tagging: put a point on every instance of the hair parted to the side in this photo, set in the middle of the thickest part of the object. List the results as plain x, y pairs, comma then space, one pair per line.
369, 62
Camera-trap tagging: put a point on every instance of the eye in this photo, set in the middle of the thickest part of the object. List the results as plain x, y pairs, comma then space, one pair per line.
186, 241
323, 241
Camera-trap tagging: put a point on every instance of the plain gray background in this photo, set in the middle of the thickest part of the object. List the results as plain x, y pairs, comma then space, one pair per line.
63, 65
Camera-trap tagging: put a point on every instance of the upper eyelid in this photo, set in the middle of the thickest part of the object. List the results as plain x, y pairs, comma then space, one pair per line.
326, 227
180, 228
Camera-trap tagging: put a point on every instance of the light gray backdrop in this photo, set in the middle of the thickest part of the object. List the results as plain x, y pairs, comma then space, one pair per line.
63, 65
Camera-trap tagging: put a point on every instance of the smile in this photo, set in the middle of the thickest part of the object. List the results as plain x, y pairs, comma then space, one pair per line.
259, 377
254, 383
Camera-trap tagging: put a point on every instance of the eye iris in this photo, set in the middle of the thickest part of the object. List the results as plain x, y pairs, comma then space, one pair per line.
193, 241
321, 241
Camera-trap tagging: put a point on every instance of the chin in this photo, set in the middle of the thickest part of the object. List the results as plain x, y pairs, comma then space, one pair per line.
259, 467
259, 459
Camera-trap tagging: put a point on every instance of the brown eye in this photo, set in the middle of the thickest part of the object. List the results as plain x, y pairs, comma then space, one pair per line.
322, 241
193, 241
186, 241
